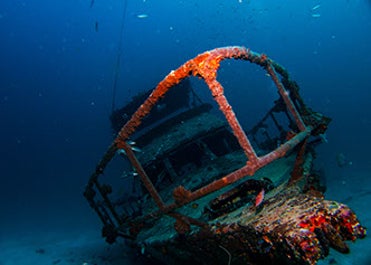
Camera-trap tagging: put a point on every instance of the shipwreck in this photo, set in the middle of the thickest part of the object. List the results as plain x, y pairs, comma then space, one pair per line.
208, 190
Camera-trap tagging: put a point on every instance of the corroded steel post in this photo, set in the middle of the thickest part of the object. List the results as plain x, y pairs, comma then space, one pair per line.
285, 95
143, 176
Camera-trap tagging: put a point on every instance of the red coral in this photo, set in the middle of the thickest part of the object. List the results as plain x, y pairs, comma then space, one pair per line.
313, 222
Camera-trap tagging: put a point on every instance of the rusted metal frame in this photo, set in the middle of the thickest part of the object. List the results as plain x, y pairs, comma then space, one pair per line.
108, 203
297, 172
102, 213
282, 150
253, 132
286, 98
106, 216
93, 181
173, 78
107, 157
248, 170
143, 176
291, 87
224, 106
205, 65
188, 220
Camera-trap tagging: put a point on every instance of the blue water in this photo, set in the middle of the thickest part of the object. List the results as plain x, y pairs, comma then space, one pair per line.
57, 65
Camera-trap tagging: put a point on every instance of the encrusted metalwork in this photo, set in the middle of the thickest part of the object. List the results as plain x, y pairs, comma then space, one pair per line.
197, 217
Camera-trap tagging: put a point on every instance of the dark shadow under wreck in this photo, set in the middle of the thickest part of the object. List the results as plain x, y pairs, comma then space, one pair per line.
212, 192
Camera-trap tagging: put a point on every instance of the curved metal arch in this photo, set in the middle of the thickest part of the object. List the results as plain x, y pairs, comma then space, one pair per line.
205, 66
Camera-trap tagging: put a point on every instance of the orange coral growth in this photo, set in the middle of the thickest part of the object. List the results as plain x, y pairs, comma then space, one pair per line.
313, 222
348, 222
338, 223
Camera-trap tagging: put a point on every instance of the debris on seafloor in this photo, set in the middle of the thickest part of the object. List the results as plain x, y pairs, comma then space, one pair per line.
209, 191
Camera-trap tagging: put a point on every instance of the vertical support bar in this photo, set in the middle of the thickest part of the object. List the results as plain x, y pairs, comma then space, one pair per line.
285, 95
298, 170
218, 94
143, 176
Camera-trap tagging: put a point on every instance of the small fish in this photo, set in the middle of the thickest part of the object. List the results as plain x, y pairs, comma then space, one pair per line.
316, 7
316, 15
121, 152
127, 175
259, 198
142, 16
91, 3
136, 149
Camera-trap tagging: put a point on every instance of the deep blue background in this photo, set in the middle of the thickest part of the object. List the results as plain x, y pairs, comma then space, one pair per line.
57, 71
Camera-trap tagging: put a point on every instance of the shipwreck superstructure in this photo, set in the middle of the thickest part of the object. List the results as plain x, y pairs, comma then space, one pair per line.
210, 191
